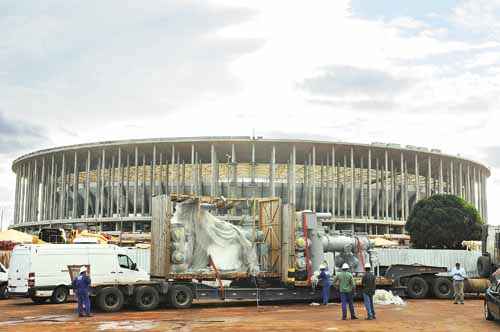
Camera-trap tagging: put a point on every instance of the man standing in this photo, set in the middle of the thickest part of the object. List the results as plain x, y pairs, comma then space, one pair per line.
346, 286
81, 285
368, 285
324, 277
458, 275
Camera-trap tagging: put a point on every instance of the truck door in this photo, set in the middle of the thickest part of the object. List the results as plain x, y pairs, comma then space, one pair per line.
127, 270
19, 269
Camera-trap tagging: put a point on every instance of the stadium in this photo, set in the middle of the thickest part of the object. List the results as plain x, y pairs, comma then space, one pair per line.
108, 186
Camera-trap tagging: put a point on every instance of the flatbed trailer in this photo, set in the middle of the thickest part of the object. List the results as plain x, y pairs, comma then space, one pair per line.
421, 281
180, 290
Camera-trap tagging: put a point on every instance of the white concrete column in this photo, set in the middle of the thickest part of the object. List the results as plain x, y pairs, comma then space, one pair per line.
452, 179
386, 186
378, 178
334, 183
87, 185
103, 183
402, 186
370, 204
213, 182
193, 170
460, 181
417, 179
294, 175
353, 208
441, 176
272, 173
75, 186
313, 182
361, 189
429, 176
345, 186
63, 185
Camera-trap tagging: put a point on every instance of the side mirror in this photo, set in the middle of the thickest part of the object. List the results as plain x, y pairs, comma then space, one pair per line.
134, 266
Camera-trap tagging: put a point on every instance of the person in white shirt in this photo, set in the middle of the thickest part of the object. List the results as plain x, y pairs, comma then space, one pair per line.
458, 275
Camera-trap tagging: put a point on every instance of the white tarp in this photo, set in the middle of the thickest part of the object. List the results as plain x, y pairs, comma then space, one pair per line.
385, 297
206, 235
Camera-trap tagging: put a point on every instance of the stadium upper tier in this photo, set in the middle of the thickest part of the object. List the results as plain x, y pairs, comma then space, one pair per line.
114, 181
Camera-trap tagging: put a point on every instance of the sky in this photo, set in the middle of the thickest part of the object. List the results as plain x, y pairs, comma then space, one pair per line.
423, 73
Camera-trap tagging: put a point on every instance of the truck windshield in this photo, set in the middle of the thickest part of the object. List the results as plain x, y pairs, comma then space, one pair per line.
125, 262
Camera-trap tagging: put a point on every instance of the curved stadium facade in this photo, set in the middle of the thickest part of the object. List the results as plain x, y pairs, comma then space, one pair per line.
109, 186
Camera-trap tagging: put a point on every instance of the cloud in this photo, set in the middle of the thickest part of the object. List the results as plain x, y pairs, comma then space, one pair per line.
82, 60
343, 81
18, 136
492, 155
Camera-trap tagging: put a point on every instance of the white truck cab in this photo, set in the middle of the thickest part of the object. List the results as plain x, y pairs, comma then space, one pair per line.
41, 271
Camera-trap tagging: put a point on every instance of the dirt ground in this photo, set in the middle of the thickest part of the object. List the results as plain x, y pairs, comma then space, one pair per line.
417, 315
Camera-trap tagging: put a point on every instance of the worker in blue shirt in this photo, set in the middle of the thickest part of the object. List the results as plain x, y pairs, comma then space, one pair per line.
324, 277
458, 275
81, 285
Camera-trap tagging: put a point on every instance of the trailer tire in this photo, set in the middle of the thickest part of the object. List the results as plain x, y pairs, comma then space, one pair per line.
487, 312
110, 299
484, 266
39, 300
181, 297
59, 295
443, 288
417, 288
146, 298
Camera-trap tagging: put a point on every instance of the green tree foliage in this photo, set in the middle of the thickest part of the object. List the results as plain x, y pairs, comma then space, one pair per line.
443, 221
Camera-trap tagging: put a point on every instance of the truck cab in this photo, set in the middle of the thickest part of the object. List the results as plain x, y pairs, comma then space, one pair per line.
489, 261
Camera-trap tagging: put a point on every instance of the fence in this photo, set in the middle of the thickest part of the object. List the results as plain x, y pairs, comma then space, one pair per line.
432, 257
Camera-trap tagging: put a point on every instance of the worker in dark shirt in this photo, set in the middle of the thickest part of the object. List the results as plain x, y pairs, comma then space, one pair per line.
368, 287
81, 285
324, 277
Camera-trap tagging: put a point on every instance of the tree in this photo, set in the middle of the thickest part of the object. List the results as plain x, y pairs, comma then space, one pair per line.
443, 222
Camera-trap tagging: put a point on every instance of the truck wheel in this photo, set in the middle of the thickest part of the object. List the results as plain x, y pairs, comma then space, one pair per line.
443, 288
487, 313
39, 300
484, 266
181, 296
417, 288
146, 298
59, 295
110, 299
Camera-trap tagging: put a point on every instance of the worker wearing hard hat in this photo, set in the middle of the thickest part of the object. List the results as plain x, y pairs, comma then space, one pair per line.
368, 286
81, 285
346, 286
324, 278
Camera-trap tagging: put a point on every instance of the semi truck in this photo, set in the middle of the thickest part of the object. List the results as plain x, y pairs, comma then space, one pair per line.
252, 249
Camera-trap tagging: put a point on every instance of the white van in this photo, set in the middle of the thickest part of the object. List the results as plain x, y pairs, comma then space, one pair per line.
41, 271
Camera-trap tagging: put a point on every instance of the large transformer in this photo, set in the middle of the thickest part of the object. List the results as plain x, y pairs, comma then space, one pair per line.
199, 236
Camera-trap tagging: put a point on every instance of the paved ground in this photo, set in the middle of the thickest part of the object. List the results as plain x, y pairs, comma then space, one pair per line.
418, 315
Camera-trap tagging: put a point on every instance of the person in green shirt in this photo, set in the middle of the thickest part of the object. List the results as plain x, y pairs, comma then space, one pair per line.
346, 285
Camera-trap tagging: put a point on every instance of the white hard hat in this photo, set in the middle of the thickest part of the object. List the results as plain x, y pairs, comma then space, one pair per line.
322, 267
83, 269
345, 266
368, 266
